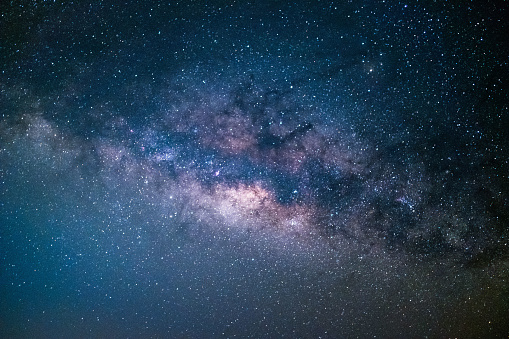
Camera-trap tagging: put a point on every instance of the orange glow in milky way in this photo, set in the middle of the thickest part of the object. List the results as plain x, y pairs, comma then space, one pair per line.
253, 207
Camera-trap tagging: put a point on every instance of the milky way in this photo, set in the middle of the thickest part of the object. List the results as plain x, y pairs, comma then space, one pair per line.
253, 170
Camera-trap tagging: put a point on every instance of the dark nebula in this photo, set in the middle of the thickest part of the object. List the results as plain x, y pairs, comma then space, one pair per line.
204, 169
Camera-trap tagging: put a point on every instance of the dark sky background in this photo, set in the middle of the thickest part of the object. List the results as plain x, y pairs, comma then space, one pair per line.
265, 169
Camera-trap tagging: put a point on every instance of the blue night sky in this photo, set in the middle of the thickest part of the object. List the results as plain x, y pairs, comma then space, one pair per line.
254, 169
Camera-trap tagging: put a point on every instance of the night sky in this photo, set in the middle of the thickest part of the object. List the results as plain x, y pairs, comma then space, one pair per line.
264, 169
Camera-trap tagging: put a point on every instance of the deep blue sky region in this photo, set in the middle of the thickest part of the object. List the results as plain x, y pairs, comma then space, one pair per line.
254, 169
